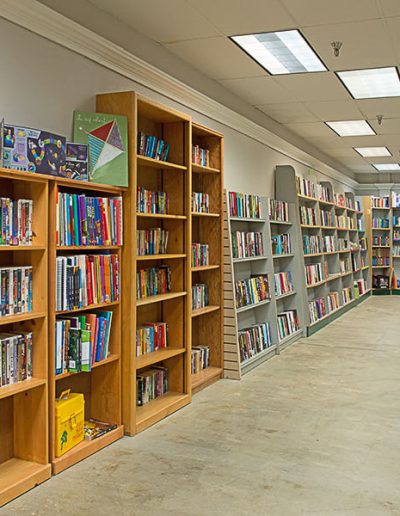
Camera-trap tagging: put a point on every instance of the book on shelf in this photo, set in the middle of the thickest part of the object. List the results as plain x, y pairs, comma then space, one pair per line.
340, 200
309, 216
246, 206
312, 244
281, 244
278, 211
382, 202
199, 296
380, 223
15, 357
327, 219
151, 384
345, 265
395, 200
332, 300
288, 323
347, 295
330, 244
253, 340
200, 254
252, 290
396, 250
148, 201
152, 147
343, 244
16, 296
354, 263
314, 273
86, 279
360, 225
151, 337
345, 222
81, 341
247, 244
380, 257
317, 309
152, 241
153, 281
283, 283
380, 240
200, 156
200, 202
360, 288
307, 188
200, 358
396, 220
16, 221
83, 220
94, 428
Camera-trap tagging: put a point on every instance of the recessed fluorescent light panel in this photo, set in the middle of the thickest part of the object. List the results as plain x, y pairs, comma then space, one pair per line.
372, 152
382, 167
372, 83
281, 52
351, 128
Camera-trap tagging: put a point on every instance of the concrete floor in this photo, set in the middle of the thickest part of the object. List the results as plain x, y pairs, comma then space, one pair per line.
315, 431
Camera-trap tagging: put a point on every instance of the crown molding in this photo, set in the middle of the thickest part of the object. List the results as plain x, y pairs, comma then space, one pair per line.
40, 19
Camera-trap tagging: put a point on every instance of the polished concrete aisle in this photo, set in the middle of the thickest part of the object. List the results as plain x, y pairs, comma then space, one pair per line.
314, 431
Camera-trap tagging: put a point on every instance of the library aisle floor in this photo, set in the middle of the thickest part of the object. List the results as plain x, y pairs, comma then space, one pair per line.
315, 431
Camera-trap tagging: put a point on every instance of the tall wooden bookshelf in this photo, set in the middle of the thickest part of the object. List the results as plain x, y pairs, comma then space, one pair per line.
174, 308
101, 386
395, 251
207, 323
344, 263
24, 459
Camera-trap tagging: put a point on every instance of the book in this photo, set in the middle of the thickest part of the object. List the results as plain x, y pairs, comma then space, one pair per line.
151, 384
278, 211
151, 337
76, 163
314, 273
200, 202
200, 255
283, 283
107, 139
200, 358
199, 296
15, 357
312, 244
252, 290
16, 295
94, 428
253, 340
200, 156
244, 205
247, 244
309, 216
153, 281
151, 241
148, 201
281, 244
16, 221
152, 147
288, 323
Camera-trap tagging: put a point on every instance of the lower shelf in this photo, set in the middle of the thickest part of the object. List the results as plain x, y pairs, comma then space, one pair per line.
19, 476
205, 377
160, 408
86, 448
255, 361
290, 339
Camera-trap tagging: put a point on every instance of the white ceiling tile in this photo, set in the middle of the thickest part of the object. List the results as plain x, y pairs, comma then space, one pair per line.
160, 20
305, 130
233, 17
341, 152
219, 58
307, 87
366, 44
258, 90
390, 7
320, 12
335, 110
288, 112
393, 27
389, 108
388, 126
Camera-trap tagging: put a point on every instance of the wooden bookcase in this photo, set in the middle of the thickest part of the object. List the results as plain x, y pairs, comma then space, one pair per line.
174, 308
102, 385
207, 323
24, 459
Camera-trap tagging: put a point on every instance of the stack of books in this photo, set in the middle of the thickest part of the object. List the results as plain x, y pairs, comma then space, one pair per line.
278, 211
288, 323
152, 147
347, 295
15, 357
152, 202
314, 273
200, 202
15, 221
151, 384
327, 219
15, 290
330, 244
244, 205
151, 337
312, 244
200, 255
247, 244
281, 244
252, 290
151, 241
283, 283
200, 358
200, 156
253, 340
317, 309
153, 281
309, 216
199, 296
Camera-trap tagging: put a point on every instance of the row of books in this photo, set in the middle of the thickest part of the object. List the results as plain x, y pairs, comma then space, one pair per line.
151, 337
148, 201
288, 323
84, 280
395, 200
354, 263
16, 221
200, 358
345, 222
247, 244
308, 216
283, 283
252, 290
151, 241
347, 295
360, 225
278, 211
151, 384
345, 266
380, 260
253, 340
396, 234
152, 147
153, 281
360, 287
380, 222
312, 244
326, 194
317, 309
15, 290
200, 254
327, 219
307, 188
330, 244
396, 221
244, 205
381, 202
396, 250
199, 296
82, 220
200, 202
200, 156
363, 244
281, 244
81, 341
15, 357
380, 240
343, 244
314, 273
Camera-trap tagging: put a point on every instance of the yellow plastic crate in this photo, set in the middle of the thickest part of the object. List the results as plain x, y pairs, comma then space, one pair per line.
70, 410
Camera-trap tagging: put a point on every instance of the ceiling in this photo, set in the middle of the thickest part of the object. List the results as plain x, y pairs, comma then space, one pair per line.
197, 32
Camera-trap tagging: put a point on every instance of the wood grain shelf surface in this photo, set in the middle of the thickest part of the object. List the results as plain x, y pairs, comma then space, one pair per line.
87, 185
247, 219
20, 175
205, 268
159, 408
160, 216
16, 388
18, 476
199, 169
211, 215
27, 316
85, 449
23, 248
280, 222
249, 259
205, 310
161, 256
111, 358
156, 163
205, 377
159, 298
157, 356
86, 308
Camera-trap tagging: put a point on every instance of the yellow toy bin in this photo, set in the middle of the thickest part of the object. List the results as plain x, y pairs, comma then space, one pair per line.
70, 415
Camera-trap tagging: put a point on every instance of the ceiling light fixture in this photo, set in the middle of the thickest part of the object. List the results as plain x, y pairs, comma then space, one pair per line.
282, 52
372, 152
351, 128
336, 45
371, 83
386, 166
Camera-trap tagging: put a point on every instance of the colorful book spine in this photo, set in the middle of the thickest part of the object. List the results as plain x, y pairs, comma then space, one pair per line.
88, 221
317, 309
380, 222
380, 257
307, 188
15, 357
278, 211
281, 244
312, 244
327, 219
332, 300
200, 255
330, 244
347, 295
253, 340
151, 384
288, 323
252, 290
200, 202
247, 244
153, 282
200, 358
148, 201
200, 156
151, 337
382, 202
199, 296
16, 295
151, 241
283, 283
345, 266
152, 147
343, 244
246, 206
16, 221
325, 194
309, 216
314, 274
85, 280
